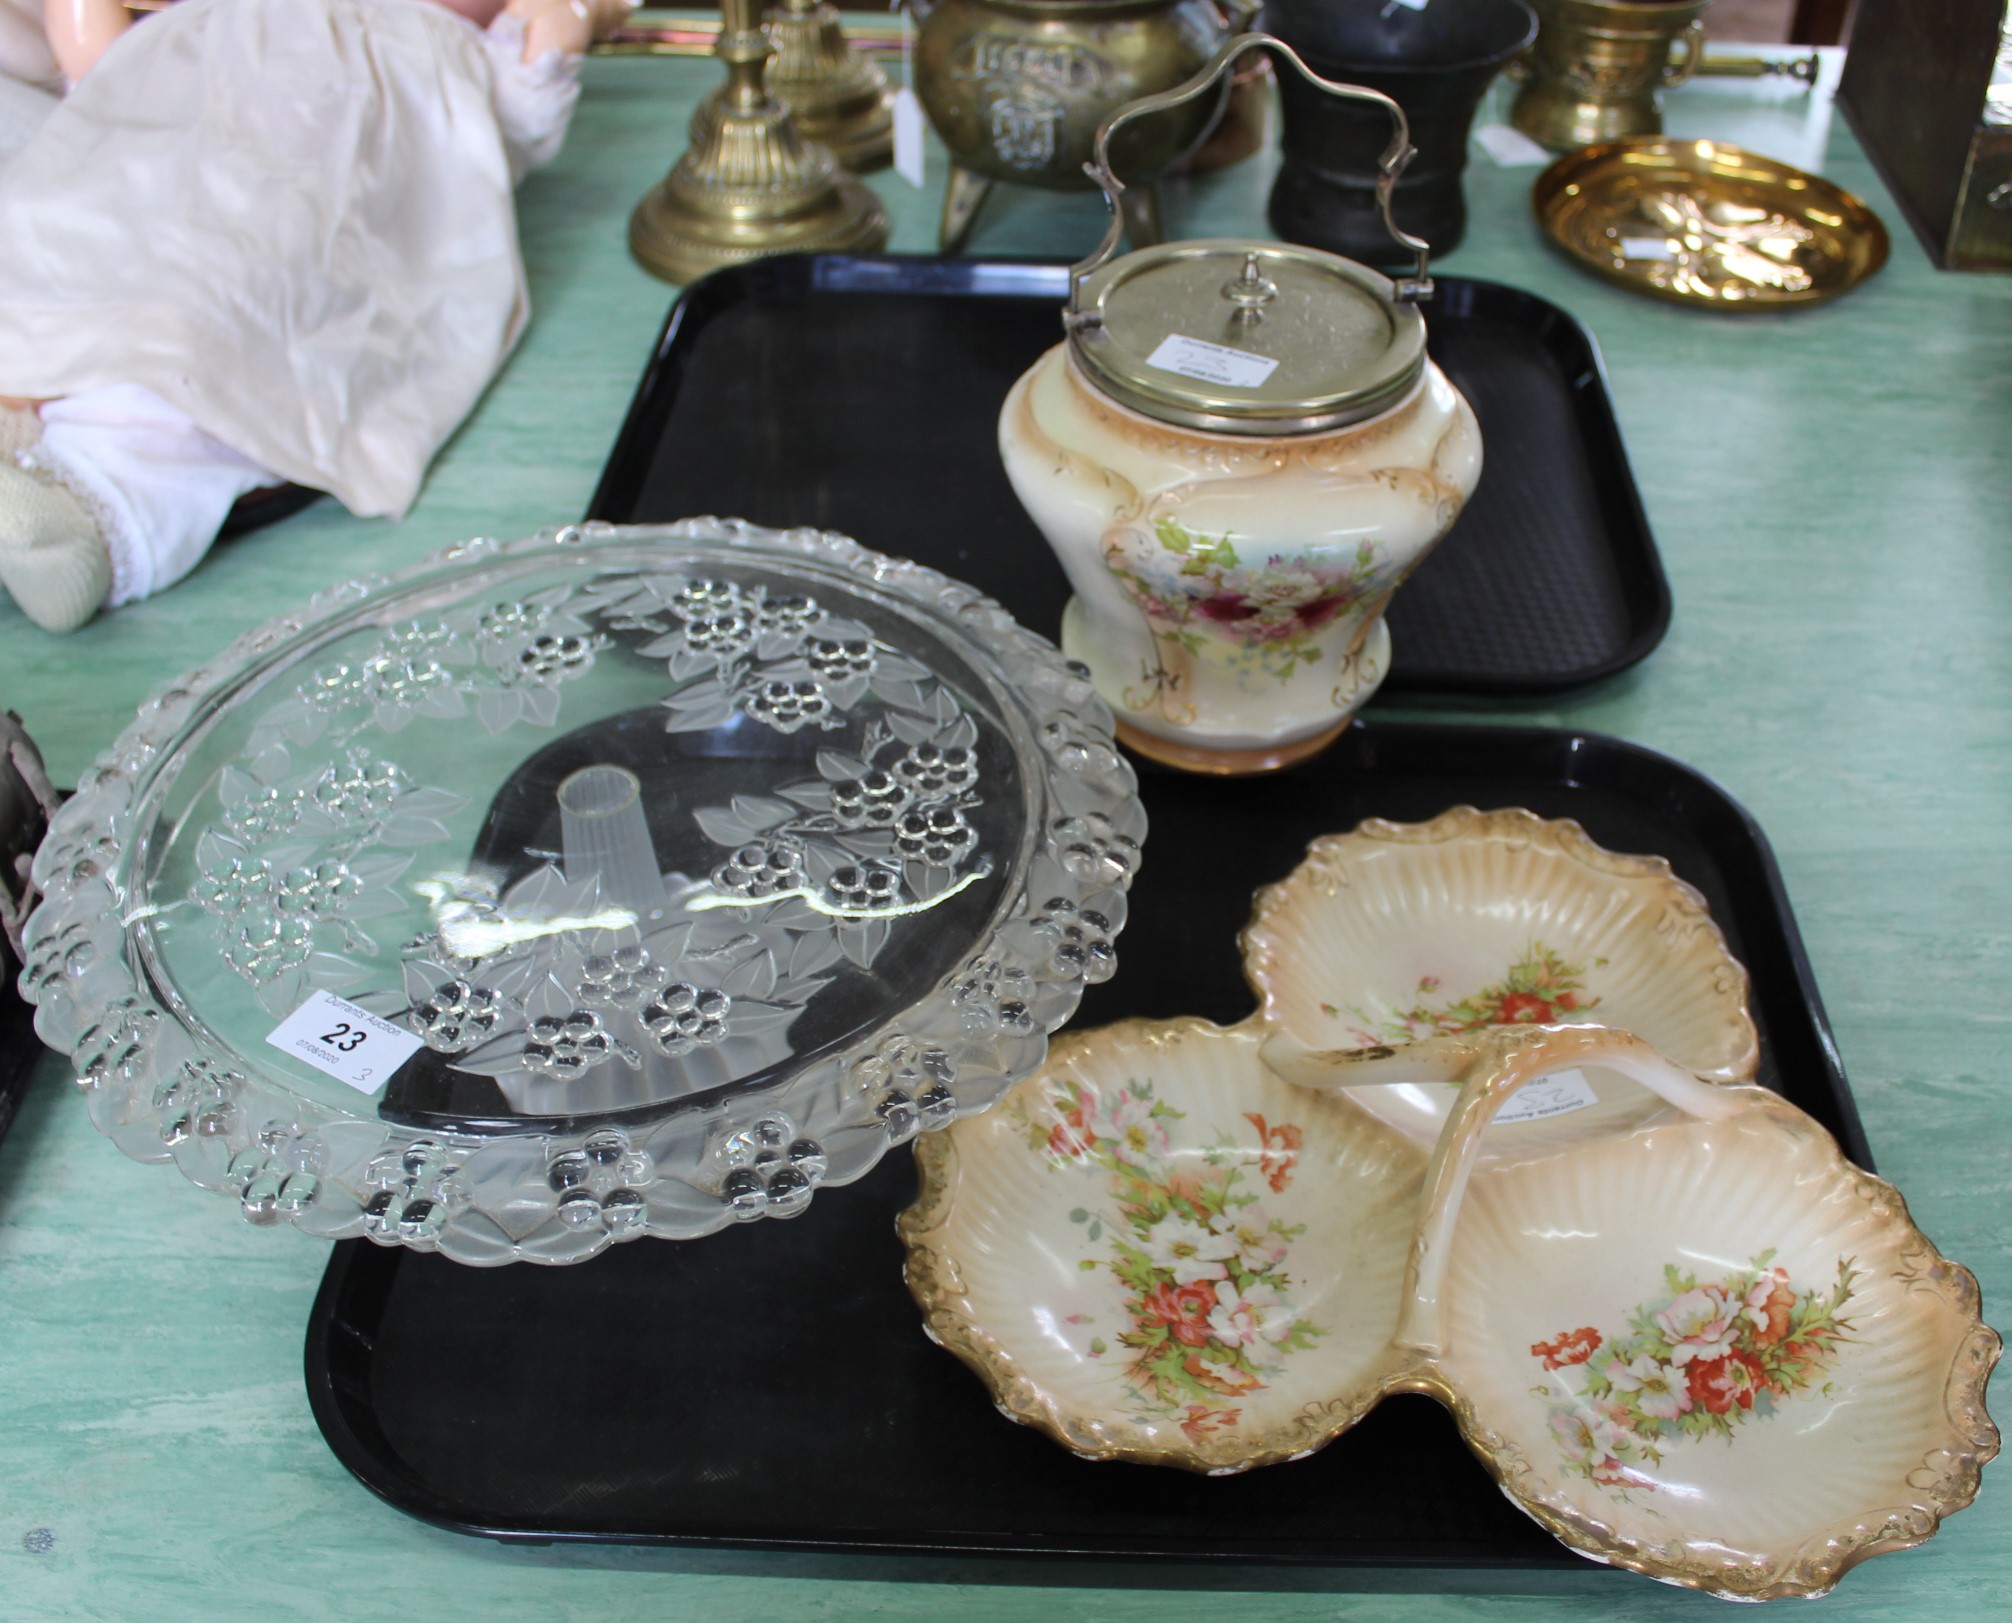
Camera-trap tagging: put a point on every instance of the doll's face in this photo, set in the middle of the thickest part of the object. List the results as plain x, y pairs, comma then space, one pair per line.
479, 12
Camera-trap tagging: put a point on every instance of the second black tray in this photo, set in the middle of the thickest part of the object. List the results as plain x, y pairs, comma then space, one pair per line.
862, 395
771, 1386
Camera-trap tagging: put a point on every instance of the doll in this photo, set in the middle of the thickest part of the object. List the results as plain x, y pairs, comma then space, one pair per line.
259, 241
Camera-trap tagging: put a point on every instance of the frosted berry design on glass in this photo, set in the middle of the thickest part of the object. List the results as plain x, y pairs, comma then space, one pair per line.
675, 833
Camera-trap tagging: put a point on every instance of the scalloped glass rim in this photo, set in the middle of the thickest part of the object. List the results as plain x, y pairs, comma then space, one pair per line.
164, 1087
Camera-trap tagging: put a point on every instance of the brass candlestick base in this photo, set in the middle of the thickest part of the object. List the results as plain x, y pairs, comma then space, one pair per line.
753, 185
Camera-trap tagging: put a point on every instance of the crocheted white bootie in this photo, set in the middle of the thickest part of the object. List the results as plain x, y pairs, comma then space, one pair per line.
52, 559
19, 428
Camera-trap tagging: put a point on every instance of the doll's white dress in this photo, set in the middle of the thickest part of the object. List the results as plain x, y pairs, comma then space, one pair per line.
289, 222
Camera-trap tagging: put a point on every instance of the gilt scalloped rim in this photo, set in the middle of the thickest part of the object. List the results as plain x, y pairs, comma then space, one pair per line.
1686, 922
1945, 1481
951, 1322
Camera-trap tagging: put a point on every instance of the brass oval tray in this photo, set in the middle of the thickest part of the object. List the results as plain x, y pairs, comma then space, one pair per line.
1703, 223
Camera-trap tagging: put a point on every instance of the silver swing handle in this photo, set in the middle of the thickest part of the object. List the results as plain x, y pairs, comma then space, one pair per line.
1410, 289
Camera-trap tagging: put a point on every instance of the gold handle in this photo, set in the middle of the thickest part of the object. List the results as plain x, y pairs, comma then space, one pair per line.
1691, 44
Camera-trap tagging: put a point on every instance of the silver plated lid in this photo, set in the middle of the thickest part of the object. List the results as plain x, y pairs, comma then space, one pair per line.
1239, 337
1248, 337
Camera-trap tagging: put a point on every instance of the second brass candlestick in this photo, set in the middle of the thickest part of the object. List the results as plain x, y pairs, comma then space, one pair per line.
838, 96
751, 183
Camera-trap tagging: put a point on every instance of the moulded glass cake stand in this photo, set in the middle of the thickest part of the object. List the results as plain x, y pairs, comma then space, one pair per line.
679, 870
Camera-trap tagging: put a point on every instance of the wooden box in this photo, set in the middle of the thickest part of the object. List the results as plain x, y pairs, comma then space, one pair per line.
1914, 89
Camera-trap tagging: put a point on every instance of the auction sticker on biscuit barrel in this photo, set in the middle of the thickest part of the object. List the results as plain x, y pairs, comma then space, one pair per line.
1212, 363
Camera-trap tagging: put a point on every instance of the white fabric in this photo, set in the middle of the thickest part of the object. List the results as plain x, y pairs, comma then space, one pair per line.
534, 100
24, 109
291, 220
156, 484
25, 56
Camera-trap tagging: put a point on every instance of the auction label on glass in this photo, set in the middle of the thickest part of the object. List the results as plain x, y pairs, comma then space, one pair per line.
1211, 363
345, 1042
1558, 1094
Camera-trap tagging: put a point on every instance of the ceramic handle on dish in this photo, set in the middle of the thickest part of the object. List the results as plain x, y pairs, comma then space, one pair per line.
1400, 152
1490, 1067
1504, 1061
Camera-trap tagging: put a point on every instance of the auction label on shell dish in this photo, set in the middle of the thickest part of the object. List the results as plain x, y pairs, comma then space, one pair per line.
1211, 363
1558, 1094
340, 1040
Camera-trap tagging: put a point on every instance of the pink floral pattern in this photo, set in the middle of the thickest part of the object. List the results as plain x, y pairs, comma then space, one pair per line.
1696, 1363
1199, 590
1208, 1303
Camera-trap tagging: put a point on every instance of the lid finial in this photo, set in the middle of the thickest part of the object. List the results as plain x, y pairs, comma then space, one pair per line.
1250, 293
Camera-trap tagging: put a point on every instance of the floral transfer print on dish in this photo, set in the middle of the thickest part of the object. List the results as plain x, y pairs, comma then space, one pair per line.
1263, 617
1202, 1263
1540, 988
1695, 1363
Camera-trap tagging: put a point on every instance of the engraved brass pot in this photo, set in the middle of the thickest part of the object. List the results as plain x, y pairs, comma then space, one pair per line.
1017, 88
1597, 65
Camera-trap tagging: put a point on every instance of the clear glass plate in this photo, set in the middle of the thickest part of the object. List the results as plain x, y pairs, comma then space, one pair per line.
694, 865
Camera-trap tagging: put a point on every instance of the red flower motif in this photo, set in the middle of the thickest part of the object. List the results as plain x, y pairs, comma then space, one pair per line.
1226, 609
1070, 1138
1315, 614
1183, 1309
1568, 1001
1522, 1008
1774, 1311
1572, 1347
1722, 1383
1203, 1421
1282, 1145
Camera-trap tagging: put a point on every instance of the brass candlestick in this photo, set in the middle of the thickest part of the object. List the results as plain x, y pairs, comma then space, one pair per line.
752, 184
840, 99
838, 96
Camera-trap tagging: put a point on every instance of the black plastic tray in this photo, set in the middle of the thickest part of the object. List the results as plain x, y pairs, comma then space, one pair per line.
862, 395
771, 1386
20, 1051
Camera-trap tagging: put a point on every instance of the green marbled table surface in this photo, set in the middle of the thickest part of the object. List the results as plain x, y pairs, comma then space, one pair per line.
1831, 492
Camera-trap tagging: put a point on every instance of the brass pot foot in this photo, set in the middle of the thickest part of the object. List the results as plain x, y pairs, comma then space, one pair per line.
963, 197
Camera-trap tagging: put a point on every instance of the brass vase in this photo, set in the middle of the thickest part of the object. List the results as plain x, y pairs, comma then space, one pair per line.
1597, 65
